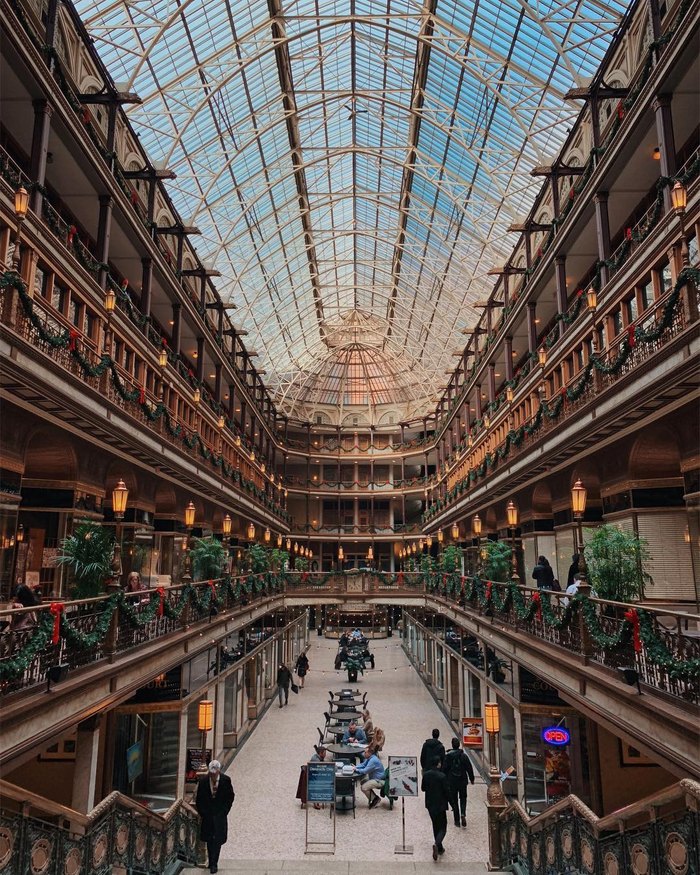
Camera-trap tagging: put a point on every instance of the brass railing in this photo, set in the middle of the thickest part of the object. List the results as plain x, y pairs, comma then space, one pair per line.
42, 836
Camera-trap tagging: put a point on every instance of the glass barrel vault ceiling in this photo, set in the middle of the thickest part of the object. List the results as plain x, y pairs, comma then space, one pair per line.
352, 157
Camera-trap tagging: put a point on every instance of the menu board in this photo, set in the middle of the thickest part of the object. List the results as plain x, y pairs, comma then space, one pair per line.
194, 762
473, 732
403, 776
320, 785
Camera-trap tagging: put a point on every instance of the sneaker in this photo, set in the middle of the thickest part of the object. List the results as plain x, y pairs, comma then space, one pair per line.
374, 801
441, 850
435, 852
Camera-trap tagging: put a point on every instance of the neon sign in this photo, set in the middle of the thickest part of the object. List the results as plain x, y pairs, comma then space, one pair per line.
559, 736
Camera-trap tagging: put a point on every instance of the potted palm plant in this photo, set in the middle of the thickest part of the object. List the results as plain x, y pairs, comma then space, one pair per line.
208, 557
87, 554
617, 563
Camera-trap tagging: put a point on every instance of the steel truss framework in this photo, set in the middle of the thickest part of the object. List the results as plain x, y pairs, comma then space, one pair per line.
352, 156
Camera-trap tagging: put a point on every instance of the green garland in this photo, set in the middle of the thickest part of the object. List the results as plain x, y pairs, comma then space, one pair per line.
553, 408
67, 339
500, 599
17, 665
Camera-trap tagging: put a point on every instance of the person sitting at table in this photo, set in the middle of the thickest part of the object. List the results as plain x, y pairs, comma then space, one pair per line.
367, 725
354, 734
372, 772
344, 641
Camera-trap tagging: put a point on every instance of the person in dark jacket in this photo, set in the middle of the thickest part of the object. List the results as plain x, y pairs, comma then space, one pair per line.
284, 678
458, 769
434, 785
543, 573
432, 749
302, 667
213, 801
573, 570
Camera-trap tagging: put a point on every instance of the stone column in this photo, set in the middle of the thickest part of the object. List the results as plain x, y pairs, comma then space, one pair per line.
508, 358
666, 140
531, 327
602, 225
86, 762
146, 285
177, 328
104, 225
40, 149
562, 296
181, 754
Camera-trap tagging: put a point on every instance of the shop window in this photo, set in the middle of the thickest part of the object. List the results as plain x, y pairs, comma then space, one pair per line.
58, 297
90, 325
665, 278
631, 309
616, 322
75, 312
41, 280
693, 252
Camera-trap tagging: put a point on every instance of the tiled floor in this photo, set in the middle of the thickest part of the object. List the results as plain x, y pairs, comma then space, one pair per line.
266, 821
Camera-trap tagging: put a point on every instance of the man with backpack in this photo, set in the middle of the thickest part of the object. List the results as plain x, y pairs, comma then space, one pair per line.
458, 768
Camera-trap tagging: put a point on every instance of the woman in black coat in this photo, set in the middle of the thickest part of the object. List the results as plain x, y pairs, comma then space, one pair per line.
543, 573
214, 800
302, 667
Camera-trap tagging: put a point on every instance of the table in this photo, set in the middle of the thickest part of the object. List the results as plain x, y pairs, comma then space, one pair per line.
347, 716
346, 705
342, 693
346, 751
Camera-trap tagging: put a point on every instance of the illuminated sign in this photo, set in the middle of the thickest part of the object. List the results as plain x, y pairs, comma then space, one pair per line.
556, 735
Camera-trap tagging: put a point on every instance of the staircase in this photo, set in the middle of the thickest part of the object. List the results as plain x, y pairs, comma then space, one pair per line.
38, 835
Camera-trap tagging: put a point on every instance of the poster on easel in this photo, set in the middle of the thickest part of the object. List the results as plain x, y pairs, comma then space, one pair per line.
403, 776
320, 791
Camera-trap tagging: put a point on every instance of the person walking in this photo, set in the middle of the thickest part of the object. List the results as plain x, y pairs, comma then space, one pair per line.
301, 668
284, 678
543, 573
213, 802
434, 785
458, 769
432, 748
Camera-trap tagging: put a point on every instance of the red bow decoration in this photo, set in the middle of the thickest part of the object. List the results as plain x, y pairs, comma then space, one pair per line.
125, 285
73, 335
142, 395
628, 233
134, 198
489, 587
579, 293
213, 590
164, 342
620, 110
538, 601
631, 339
632, 617
304, 576
572, 193
399, 578
56, 609
161, 595
85, 116
71, 234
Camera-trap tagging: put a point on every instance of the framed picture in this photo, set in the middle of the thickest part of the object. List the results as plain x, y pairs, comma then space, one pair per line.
63, 750
630, 756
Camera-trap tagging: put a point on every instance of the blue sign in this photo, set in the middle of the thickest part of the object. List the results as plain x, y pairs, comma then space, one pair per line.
134, 761
320, 782
559, 736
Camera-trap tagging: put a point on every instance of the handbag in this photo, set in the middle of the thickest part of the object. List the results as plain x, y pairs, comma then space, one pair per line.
295, 687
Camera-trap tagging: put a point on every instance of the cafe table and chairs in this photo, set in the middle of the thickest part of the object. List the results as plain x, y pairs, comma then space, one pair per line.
348, 753
345, 705
347, 716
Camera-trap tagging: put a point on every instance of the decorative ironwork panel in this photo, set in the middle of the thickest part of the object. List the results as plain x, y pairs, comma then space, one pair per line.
536, 856
677, 843
611, 851
73, 856
40, 849
122, 838
551, 864
10, 843
587, 852
101, 847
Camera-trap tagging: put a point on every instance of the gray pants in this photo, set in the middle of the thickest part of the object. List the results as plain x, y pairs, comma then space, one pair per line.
282, 692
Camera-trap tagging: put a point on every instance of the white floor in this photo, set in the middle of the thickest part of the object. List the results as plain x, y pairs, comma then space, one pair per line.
266, 821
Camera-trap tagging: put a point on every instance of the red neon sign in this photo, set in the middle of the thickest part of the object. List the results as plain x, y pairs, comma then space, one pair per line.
556, 735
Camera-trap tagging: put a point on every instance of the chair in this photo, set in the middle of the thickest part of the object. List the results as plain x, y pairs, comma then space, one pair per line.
325, 737
331, 695
344, 788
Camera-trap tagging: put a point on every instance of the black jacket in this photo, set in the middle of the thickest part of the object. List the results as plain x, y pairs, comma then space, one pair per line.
431, 750
284, 676
544, 575
434, 785
214, 810
458, 768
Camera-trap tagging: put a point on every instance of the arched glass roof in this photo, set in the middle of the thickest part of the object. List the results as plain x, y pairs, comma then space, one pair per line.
352, 156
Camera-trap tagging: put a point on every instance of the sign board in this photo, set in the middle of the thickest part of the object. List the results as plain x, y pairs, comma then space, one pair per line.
194, 762
473, 732
320, 785
559, 736
134, 761
403, 776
